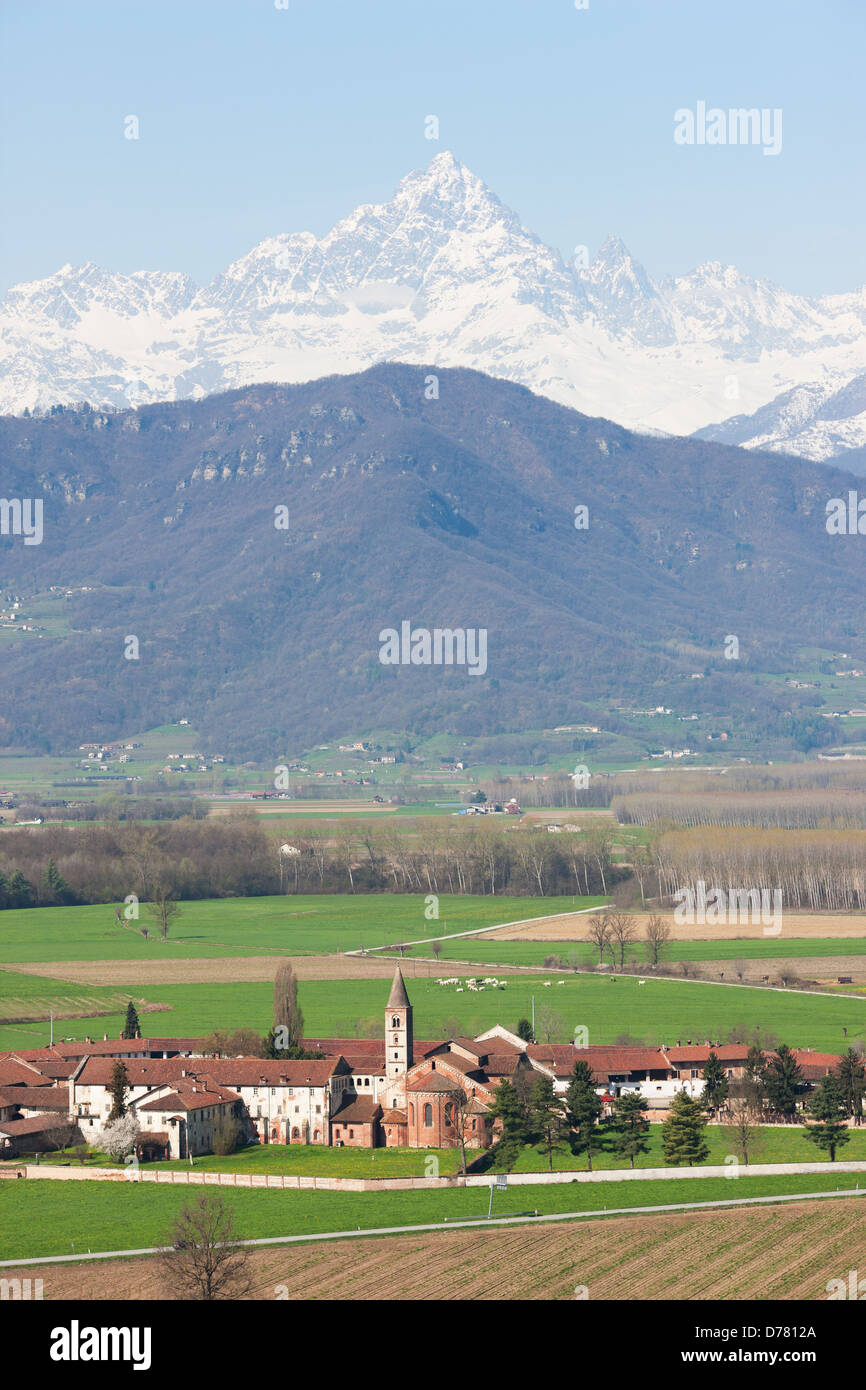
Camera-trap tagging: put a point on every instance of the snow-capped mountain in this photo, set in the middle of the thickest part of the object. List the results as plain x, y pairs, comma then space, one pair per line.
445, 274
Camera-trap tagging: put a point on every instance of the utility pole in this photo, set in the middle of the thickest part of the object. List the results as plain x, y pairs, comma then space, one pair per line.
533, 1018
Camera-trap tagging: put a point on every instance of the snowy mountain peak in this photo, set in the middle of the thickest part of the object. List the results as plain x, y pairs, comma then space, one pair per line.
444, 272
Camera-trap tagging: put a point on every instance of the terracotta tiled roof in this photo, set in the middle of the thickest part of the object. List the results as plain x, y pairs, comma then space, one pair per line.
15, 1073
434, 1081
190, 1096
697, 1053
36, 1097
38, 1125
358, 1110
251, 1071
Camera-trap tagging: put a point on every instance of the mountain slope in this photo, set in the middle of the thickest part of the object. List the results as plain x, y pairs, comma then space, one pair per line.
442, 273
449, 512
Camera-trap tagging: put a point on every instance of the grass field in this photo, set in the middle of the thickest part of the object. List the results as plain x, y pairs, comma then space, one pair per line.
660, 1011
753, 1253
44, 1217
259, 926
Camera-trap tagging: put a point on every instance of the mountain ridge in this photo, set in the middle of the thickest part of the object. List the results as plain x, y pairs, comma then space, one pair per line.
453, 511
442, 273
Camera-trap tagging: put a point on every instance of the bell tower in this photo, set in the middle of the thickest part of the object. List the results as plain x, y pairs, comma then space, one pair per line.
398, 1029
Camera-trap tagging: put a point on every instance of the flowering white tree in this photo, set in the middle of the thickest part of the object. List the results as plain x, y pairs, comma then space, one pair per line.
118, 1137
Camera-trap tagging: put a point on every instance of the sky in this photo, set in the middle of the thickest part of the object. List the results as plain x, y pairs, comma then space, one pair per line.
257, 117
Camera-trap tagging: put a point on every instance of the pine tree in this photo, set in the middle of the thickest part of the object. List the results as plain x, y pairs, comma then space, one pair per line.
524, 1030
20, 890
630, 1126
510, 1110
715, 1083
683, 1132
54, 886
783, 1081
547, 1117
132, 1027
826, 1112
117, 1089
583, 1109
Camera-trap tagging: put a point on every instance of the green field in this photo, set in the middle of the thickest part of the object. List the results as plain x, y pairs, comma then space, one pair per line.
658, 1012
61, 1218
313, 924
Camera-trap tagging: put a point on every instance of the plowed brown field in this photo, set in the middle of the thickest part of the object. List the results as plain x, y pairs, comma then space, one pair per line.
575, 926
779, 1253
237, 969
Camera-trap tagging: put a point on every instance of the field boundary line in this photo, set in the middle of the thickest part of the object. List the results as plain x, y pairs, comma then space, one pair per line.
477, 931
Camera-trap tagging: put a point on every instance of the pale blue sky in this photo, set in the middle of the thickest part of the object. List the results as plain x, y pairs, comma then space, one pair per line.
256, 120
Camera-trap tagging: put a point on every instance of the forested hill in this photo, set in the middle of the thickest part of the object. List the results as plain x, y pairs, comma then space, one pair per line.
453, 511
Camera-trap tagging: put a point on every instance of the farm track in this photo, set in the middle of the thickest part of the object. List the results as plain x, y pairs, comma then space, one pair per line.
770, 1253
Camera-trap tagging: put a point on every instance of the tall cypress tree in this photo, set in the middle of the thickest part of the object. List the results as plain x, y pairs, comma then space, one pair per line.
131, 1027
117, 1089
851, 1074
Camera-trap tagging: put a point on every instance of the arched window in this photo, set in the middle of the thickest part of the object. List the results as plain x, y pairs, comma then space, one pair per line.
317, 1135
395, 1023
296, 1133
428, 1115
449, 1113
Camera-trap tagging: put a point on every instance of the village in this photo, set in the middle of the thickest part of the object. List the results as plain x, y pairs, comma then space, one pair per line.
368, 1093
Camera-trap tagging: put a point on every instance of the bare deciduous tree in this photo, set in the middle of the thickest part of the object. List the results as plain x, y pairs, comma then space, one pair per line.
287, 1010
658, 934
203, 1259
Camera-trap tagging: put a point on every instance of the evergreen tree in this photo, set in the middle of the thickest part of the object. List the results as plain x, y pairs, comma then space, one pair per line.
630, 1126
715, 1083
851, 1074
54, 887
20, 890
4, 890
826, 1110
683, 1132
547, 1117
510, 1110
132, 1027
117, 1089
524, 1030
783, 1081
583, 1109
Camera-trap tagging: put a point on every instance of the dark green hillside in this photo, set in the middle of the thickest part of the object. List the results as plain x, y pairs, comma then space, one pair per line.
456, 512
